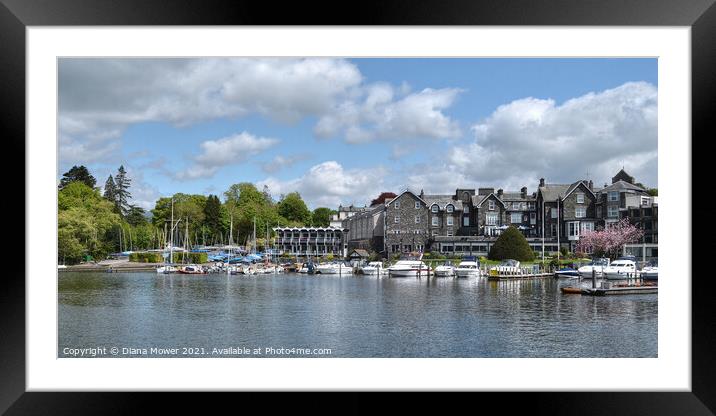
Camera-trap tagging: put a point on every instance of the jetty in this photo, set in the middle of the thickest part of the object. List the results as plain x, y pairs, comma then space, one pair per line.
520, 273
623, 290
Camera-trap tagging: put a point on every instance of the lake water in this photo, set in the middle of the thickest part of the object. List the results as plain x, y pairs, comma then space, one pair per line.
150, 315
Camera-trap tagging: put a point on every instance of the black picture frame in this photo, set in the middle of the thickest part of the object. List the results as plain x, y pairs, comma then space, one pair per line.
16, 15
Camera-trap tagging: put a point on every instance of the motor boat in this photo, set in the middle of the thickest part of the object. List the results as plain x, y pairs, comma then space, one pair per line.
467, 268
567, 272
508, 266
445, 270
597, 265
650, 272
374, 267
333, 268
191, 269
619, 269
166, 269
410, 265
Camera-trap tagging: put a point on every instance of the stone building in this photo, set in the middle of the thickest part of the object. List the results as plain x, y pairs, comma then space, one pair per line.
406, 224
469, 222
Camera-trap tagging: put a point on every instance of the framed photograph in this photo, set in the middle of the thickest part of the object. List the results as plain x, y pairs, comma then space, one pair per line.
465, 202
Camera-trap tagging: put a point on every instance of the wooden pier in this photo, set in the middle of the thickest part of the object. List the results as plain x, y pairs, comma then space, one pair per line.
624, 290
522, 273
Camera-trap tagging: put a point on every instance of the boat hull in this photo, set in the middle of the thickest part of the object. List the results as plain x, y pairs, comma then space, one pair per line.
467, 273
407, 273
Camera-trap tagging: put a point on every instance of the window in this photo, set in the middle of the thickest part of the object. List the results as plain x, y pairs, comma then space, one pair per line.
449, 233
416, 232
533, 218
580, 212
436, 221
417, 219
491, 205
599, 212
612, 211
397, 204
435, 233
516, 217
466, 209
580, 198
395, 248
515, 205
530, 205
396, 231
587, 226
417, 204
645, 201
613, 196
465, 221
553, 230
434, 208
449, 220
573, 229
397, 219
449, 208
491, 218
554, 212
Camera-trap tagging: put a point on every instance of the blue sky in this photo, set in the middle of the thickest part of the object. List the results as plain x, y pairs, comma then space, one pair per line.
339, 131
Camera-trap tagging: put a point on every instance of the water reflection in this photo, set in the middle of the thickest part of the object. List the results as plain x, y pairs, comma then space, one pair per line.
355, 316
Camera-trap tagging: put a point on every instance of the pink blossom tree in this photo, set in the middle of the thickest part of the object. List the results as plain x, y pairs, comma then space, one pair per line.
610, 240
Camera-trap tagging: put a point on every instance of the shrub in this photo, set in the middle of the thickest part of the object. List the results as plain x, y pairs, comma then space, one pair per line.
511, 245
146, 257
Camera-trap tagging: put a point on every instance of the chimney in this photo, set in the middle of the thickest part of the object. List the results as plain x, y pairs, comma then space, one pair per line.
422, 193
591, 185
523, 192
541, 182
499, 193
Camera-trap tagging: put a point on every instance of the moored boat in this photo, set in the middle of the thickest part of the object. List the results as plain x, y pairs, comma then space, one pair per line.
191, 269
620, 269
467, 268
445, 270
410, 265
333, 268
650, 272
596, 265
567, 272
507, 267
374, 267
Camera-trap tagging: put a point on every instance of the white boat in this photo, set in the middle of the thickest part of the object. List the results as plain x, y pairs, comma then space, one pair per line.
445, 270
191, 269
467, 269
166, 269
303, 269
374, 267
597, 265
650, 272
333, 268
508, 266
619, 269
411, 265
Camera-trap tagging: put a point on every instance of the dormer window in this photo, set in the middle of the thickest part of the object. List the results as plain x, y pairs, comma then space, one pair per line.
449, 208
434, 209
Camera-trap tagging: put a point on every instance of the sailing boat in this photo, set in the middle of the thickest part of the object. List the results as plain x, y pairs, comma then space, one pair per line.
189, 268
168, 267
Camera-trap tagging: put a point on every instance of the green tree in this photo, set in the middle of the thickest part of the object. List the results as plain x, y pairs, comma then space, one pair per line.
136, 216
188, 208
321, 217
122, 194
84, 223
293, 208
653, 192
77, 174
110, 192
511, 244
212, 215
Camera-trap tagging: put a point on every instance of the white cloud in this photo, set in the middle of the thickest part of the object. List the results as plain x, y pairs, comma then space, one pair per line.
595, 134
281, 162
329, 184
379, 115
225, 151
100, 98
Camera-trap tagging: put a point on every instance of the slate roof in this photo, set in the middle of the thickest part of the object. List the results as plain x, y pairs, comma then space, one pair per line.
442, 201
550, 192
622, 185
